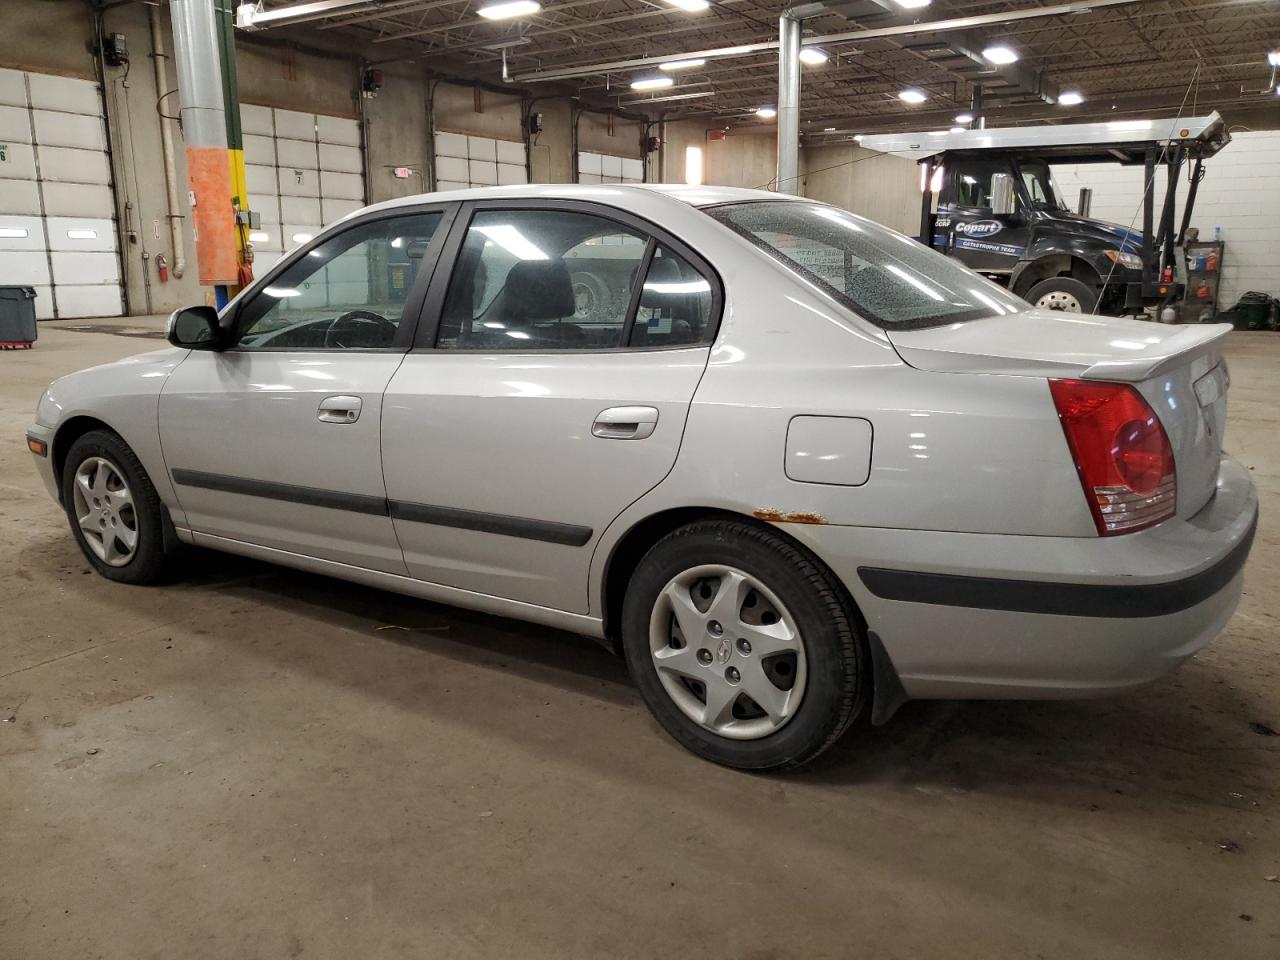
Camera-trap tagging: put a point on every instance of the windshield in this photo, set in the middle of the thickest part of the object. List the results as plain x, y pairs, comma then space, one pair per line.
1043, 190
884, 277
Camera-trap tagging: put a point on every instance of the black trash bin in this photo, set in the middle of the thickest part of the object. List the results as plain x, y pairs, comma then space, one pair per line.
17, 318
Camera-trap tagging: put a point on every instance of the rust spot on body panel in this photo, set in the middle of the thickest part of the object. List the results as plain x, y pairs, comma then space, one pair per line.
774, 515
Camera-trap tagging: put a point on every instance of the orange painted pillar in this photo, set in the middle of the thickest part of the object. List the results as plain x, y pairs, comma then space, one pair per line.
212, 216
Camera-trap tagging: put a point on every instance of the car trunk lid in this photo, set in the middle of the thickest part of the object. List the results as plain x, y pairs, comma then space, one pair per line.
1177, 369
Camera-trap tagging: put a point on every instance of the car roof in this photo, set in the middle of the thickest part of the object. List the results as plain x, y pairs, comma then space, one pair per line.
614, 194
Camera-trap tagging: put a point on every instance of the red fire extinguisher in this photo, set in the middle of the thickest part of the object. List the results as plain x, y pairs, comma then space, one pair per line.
162, 265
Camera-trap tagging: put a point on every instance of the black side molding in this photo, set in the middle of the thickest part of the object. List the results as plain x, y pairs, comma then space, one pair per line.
569, 534
1115, 601
311, 496
548, 531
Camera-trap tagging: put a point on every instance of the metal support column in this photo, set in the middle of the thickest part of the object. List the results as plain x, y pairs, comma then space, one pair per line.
1149, 272
1165, 237
195, 48
1197, 174
224, 23
926, 201
788, 180
979, 118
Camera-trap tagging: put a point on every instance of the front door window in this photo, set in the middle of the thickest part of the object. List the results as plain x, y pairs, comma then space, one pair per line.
348, 292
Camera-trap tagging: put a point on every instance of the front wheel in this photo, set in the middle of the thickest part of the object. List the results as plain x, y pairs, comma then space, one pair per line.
1063, 293
114, 511
742, 646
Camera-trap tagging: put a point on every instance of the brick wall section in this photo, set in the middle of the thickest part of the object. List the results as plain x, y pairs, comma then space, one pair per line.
1240, 193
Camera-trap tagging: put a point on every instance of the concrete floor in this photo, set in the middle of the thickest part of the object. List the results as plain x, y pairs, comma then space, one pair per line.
260, 763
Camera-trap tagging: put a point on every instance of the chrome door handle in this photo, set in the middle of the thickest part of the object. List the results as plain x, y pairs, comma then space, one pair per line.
625, 423
339, 410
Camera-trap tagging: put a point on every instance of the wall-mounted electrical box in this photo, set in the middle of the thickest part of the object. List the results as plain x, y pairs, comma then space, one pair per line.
115, 50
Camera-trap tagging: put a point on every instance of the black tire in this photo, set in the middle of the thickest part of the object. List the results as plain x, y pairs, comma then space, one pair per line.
150, 561
833, 643
1082, 293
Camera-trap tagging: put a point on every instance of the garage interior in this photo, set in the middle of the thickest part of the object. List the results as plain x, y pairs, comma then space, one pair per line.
260, 762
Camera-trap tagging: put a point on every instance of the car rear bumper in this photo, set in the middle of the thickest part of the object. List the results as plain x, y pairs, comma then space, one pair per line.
978, 615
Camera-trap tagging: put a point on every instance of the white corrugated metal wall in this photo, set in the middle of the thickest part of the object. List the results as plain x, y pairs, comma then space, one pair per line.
57, 214
463, 161
303, 171
605, 168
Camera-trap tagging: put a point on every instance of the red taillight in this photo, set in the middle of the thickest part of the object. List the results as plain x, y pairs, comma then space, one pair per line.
1121, 451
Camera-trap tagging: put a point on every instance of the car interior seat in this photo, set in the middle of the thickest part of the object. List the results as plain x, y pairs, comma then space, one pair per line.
668, 312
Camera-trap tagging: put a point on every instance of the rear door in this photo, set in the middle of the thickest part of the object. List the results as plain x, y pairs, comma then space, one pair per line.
275, 441
547, 390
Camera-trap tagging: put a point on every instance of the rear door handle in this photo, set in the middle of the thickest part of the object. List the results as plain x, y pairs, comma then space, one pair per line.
625, 423
339, 410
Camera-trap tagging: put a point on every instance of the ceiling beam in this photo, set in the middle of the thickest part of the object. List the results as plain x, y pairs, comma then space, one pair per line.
854, 36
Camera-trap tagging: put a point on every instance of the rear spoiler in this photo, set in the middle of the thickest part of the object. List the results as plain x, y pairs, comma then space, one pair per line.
1190, 342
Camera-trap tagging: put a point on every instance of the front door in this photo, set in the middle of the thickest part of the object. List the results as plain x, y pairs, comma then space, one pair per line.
275, 441
977, 231
548, 392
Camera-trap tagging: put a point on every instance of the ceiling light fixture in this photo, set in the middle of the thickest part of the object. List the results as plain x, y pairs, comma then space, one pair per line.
813, 56
964, 118
509, 8
674, 96
1000, 55
828, 129
766, 113
1070, 98
673, 65
690, 6
652, 83
912, 4
913, 95
1273, 58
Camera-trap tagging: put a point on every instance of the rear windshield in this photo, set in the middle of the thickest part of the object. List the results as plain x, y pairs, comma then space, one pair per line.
884, 277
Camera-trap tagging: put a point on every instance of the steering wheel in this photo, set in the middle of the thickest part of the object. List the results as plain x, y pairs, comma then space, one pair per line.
359, 328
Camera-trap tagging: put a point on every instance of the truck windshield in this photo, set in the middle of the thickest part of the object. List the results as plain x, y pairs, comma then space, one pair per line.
1041, 187
884, 277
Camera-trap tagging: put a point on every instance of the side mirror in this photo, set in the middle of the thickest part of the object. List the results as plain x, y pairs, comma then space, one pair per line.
1004, 200
195, 328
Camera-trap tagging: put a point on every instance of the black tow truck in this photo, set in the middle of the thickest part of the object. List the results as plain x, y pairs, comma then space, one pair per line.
989, 199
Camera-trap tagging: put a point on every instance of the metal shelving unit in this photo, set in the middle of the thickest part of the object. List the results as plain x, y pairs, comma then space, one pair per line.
1204, 275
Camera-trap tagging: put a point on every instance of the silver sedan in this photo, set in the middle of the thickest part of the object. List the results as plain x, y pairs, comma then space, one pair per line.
796, 466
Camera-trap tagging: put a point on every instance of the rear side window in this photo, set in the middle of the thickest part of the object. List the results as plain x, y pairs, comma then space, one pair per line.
568, 280
884, 277
675, 303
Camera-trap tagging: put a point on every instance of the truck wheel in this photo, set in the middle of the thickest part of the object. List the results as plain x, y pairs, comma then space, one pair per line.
1063, 293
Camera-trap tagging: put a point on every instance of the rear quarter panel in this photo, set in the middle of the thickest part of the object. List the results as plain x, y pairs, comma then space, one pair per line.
950, 452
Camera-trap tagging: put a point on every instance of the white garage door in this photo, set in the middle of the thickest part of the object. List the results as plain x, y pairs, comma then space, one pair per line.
57, 215
604, 168
464, 161
303, 172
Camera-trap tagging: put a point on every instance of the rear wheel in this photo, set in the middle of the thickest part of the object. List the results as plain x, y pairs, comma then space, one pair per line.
742, 647
114, 510
1063, 293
